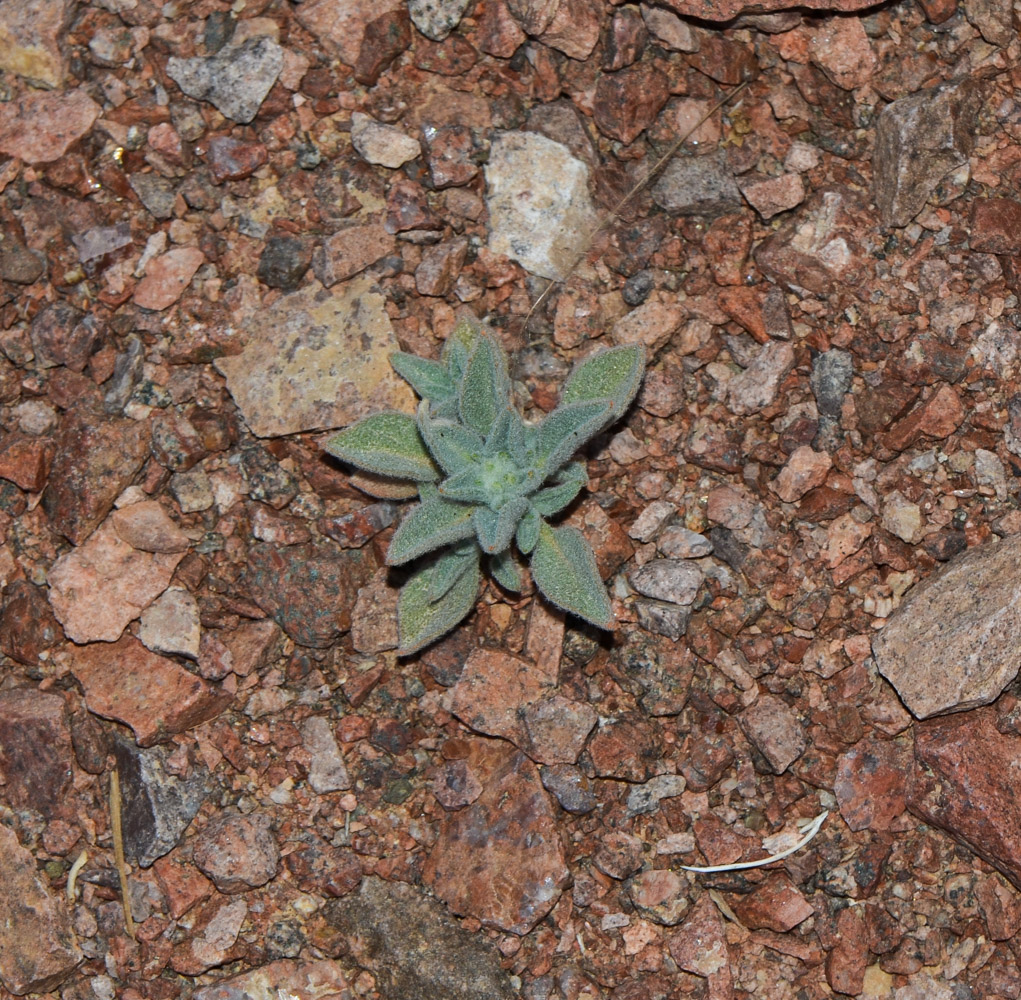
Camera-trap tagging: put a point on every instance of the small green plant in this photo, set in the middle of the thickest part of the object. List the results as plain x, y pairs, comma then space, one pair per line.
486, 479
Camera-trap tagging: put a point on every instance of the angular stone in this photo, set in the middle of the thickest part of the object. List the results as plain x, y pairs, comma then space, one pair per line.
495, 690
171, 624
35, 765
147, 527
62, 335
557, 728
100, 586
775, 730
284, 262
627, 102
661, 895
841, 49
27, 625
413, 947
770, 196
39, 127
672, 580
38, 949
775, 905
295, 979
25, 460
572, 789
871, 784
951, 645
849, 956
166, 278
805, 469
700, 947
452, 156
436, 18
618, 854
724, 10
157, 805
316, 360
309, 590
996, 226
235, 81
238, 852
540, 212
697, 185
919, 140
326, 771
820, 248
232, 160
342, 27
759, 384
440, 267
149, 693
500, 859
30, 35
382, 144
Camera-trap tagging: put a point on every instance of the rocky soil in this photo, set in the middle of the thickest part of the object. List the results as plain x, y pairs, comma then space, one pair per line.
217, 220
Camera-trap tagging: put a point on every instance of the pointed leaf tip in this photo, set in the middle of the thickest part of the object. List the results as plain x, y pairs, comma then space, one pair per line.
564, 569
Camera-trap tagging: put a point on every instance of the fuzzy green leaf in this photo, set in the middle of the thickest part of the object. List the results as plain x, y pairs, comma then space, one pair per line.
527, 533
564, 569
505, 571
565, 430
421, 620
387, 443
495, 529
448, 568
465, 486
429, 526
428, 378
455, 447
460, 345
485, 387
613, 375
554, 499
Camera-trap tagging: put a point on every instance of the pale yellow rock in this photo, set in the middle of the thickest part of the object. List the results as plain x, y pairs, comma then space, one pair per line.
316, 360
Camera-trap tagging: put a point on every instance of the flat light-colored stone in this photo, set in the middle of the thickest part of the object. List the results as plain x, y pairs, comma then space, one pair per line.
167, 277
326, 772
317, 360
100, 586
952, 644
805, 469
30, 34
383, 144
757, 386
171, 624
540, 212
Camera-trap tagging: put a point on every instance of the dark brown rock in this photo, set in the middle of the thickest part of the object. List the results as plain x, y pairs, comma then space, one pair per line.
63, 335
385, 39
308, 590
627, 102
232, 160
724, 10
27, 625
35, 750
625, 40
96, 458
996, 226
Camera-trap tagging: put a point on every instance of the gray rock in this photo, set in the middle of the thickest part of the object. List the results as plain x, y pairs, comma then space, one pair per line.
919, 140
952, 644
100, 240
413, 947
830, 380
236, 81
677, 542
697, 185
156, 193
570, 786
436, 18
157, 805
673, 580
540, 212
757, 386
645, 798
326, 771
662, 617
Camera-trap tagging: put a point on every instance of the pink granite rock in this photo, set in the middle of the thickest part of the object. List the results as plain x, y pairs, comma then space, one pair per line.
40, 127
500, 859
100, 586
167, 277
149, 693
805, 469
724, 10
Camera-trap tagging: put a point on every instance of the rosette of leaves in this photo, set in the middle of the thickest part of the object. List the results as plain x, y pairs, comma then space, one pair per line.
487, 481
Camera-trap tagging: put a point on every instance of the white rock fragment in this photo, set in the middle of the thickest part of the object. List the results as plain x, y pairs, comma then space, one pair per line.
326, 772
382, 144
540, 212
171, 624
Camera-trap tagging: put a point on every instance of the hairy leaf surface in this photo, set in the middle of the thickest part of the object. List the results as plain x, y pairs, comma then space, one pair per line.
564, 569
421, 620
429, 526
387, 443
613, 375
428, 378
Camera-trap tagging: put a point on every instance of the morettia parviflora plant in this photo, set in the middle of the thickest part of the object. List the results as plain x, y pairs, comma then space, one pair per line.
487, 481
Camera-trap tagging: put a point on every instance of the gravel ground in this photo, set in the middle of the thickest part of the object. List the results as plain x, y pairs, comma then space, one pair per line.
217, 221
